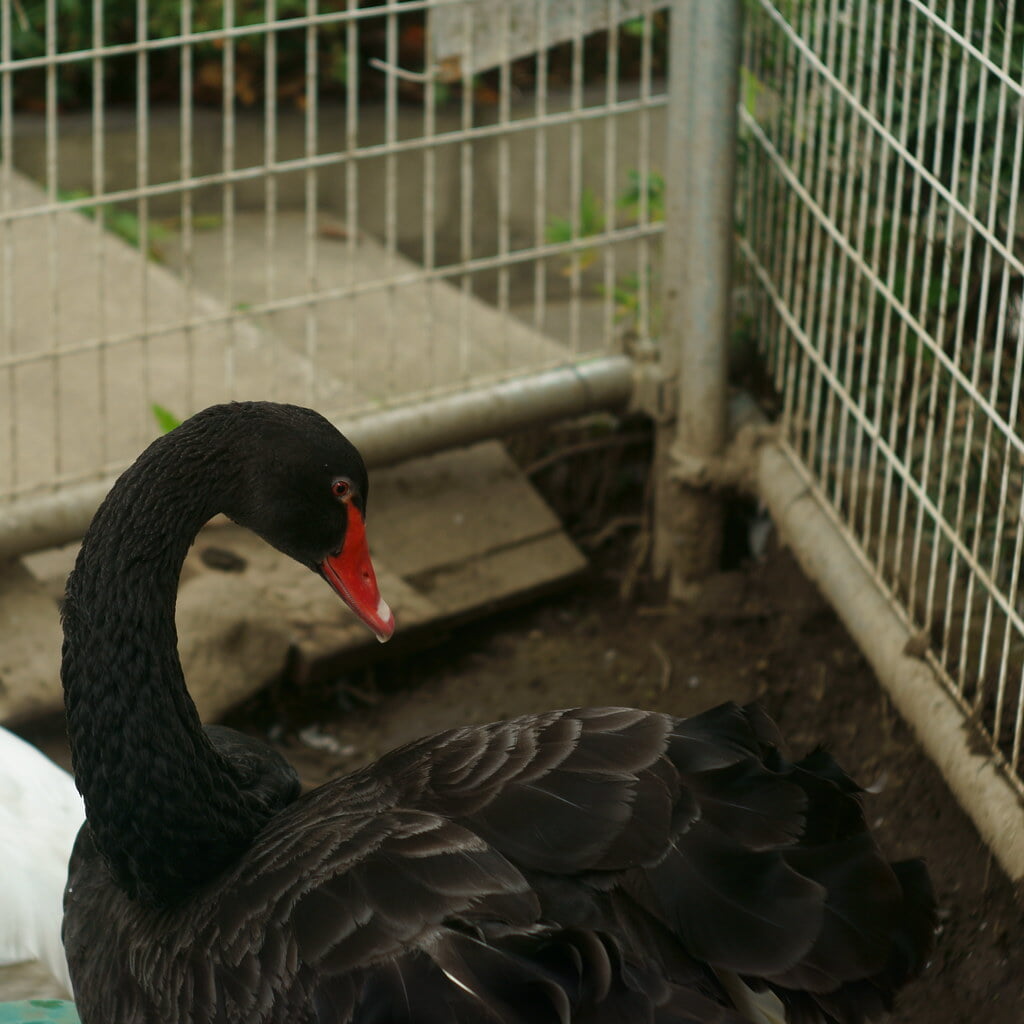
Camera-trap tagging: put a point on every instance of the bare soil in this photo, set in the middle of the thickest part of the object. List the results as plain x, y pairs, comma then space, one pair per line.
760, 631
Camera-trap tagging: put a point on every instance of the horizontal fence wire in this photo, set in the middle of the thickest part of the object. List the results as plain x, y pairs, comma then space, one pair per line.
879, 236
313, 202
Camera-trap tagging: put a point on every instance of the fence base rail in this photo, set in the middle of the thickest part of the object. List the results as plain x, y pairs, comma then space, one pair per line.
605, 383
826, 556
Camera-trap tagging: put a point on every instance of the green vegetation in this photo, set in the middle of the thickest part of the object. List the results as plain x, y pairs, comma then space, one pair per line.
127, 225
643, 199
165, 419
589, 221
639, 193
123, 223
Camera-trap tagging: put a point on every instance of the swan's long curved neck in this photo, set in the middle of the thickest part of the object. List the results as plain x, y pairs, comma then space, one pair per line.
164, 807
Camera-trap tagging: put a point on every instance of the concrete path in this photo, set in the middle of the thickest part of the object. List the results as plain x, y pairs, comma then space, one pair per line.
382, 342
71, 407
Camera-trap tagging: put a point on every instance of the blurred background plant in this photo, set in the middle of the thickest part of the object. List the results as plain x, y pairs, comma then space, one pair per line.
74, 30
641, 201
76, 27
165, 419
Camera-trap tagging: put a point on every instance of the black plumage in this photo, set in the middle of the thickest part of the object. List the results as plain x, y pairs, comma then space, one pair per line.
590, 865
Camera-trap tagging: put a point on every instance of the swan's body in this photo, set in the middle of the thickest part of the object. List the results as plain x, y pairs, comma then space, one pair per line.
592, 866
40, 815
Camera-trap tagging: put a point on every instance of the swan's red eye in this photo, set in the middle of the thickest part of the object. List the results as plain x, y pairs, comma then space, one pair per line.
341, 489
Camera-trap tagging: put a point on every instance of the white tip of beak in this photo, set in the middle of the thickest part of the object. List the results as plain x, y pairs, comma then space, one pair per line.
385, 615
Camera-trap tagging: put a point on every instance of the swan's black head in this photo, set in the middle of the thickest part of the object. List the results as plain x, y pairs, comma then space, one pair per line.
302, 486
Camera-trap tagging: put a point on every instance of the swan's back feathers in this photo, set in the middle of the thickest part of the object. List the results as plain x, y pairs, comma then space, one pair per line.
588, 865
40, 814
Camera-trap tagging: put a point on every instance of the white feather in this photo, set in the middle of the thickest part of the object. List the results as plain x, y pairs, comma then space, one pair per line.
41, 812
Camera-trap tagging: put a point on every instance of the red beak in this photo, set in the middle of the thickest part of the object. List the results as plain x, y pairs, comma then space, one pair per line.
350, 573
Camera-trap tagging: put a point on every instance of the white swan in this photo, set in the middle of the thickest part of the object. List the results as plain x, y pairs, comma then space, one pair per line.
40, 815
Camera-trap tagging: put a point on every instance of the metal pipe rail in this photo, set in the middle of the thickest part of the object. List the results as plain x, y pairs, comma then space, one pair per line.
384, 438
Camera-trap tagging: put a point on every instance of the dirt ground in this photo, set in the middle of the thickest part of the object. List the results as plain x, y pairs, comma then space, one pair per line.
760, 631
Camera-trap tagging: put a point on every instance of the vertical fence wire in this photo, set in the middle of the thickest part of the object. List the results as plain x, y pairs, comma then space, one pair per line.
429, 228
466, 192
186, 209
540, 164
977, 524
9, 480
352, 226
608, 278
887, 142
932, 379
391, 180
644, 287
142, 146
854, 200
576, 188
98, 186
270, 190
228, 197
310, 94
53, 233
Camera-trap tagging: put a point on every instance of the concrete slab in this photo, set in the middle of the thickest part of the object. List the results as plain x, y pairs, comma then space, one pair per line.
382, 342
82, 377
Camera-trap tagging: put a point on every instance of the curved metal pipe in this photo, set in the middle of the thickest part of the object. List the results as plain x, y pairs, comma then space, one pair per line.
384, 438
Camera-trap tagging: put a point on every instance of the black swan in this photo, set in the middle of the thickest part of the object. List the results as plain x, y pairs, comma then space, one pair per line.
590, 865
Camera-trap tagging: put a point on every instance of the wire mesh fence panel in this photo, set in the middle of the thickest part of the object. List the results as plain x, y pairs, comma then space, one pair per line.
327, 202
881, 236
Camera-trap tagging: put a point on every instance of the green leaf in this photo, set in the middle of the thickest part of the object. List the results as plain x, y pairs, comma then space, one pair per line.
591, 216
559, 229
653, 187
165, 419
590, 221
750, 87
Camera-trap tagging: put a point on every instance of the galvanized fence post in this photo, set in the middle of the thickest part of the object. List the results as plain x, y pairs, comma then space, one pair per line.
699, 194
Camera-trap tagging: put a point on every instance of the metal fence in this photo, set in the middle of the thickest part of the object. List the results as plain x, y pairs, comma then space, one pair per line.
381, 207
351, 206
880, 165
